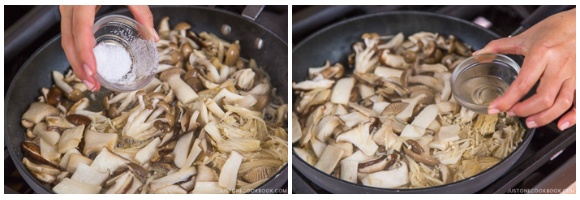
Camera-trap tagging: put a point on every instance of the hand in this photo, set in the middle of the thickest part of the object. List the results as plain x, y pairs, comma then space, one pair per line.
78, 40
549, 48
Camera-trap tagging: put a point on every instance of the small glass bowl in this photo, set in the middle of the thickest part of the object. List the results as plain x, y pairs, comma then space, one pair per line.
480, 79
139, 43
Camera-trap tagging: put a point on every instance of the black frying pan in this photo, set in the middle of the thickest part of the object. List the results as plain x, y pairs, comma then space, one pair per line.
334, 43
36, 73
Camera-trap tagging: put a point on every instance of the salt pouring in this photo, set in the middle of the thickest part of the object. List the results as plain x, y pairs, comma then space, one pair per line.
126, 55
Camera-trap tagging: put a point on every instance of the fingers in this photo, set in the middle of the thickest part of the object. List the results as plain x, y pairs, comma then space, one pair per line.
563, 102
143, 15
68, 41
532, 68
550, 84
84, 41
569, 119
512, 45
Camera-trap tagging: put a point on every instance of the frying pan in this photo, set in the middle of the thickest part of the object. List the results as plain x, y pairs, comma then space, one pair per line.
36, 73
334, 43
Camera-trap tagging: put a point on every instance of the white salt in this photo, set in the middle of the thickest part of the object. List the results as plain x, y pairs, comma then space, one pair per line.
114, 63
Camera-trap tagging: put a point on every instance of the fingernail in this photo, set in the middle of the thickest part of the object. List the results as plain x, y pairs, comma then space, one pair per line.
531, 124
564, 126
511, 113
493, 111
89, 85
155, 35
475, 52
88, 70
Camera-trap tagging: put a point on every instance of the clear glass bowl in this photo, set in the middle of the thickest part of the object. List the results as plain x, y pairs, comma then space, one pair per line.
480, 79
139, 44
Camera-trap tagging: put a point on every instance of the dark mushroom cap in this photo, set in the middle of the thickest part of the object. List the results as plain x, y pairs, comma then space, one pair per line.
165, 75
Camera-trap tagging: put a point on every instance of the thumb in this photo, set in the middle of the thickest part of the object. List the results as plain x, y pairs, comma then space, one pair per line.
143, 15
508, 45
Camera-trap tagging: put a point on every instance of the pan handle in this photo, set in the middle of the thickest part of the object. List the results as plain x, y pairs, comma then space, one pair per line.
540, 14
252, 11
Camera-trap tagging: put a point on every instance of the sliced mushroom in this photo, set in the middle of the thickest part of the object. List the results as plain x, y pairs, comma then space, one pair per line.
184, 93
70, 139
38, 111
342, 91
375, 165
418, 154
326, 126
394, 108
70, 186
88, 175
388, 179
229, 174
329, 159
360, 137
259, 173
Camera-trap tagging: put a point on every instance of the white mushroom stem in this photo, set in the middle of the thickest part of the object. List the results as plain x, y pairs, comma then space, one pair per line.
394, 42
181, 149
317, 146
426, 80
449, 133
163, 67
121, 184
229, 172
329, 159
388, 179
360, 137
296, 130
446, 92
408, 111
213, 74
367, 112
214, 108
426, 116
365, 91
244, 78
184, 93
70, 186
49, 151
387, 72
75, 160
260, 89
393, 60
66, 157
326, 126
38, 111
70, 139
354, 118
95, 141
341, 91
145, 154
59, 82
51, 137
108, 161
306, 155
436, 68
313, 84
349, 170
88, 175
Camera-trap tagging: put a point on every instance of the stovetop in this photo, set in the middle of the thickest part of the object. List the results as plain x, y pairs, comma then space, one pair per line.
274, 18
549, 163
